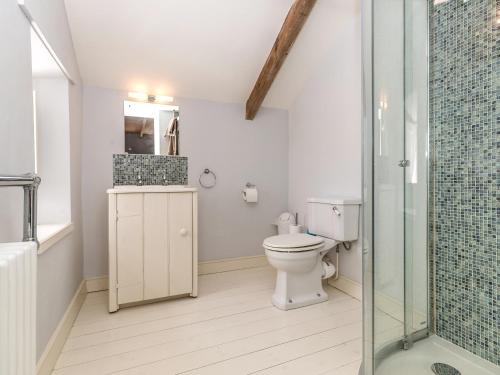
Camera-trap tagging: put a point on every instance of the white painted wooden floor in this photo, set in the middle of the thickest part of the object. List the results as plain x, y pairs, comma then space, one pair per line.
231, 328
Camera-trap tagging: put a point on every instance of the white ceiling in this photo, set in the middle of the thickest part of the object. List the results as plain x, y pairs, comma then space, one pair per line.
207, 49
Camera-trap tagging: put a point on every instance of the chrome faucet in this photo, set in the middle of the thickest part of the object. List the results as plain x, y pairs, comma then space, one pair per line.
139, 180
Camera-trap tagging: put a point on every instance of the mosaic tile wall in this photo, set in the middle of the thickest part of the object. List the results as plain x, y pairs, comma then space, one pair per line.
465, 154
153, 169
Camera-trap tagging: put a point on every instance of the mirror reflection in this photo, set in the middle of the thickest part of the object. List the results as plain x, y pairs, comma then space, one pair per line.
151, 128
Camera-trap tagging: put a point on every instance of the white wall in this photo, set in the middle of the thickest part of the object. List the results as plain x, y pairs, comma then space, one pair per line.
16, 114
325, 128
60, 268
212, 135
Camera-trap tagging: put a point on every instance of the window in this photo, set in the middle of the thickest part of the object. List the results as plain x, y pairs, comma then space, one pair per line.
52, 146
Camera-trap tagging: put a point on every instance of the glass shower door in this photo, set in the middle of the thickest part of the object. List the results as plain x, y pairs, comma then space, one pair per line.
416, 131
395, 178
388, 175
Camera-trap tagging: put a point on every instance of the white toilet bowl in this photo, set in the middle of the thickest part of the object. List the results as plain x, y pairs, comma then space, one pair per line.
298, 260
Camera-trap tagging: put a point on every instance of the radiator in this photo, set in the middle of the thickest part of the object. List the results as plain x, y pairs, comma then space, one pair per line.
18, 308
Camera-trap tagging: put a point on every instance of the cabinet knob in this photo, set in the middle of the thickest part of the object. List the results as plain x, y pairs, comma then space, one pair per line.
183, 232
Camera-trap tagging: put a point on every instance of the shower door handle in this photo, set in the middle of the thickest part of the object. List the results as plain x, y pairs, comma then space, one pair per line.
403, 163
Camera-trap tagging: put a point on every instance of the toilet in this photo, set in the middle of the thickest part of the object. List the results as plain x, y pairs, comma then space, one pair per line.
299, 257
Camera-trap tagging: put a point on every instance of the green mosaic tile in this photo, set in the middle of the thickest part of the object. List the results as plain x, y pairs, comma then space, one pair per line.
153, 169
465, 153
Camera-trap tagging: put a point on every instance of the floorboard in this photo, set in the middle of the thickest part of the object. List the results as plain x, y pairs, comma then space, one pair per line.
231, 328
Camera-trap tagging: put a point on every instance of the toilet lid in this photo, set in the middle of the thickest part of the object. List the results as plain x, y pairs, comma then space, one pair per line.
293, 242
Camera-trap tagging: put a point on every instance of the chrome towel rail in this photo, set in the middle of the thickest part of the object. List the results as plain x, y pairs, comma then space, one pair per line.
29, 182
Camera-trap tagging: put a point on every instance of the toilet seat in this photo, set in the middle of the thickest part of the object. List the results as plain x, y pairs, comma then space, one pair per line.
293, 250
293, 243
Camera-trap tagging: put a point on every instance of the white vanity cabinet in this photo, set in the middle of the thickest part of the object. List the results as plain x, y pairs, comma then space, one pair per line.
153, 243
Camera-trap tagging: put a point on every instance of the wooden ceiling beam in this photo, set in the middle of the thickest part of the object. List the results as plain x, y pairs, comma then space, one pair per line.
295, 19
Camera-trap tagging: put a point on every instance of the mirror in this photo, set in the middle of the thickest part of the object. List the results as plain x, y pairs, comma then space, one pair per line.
150, 128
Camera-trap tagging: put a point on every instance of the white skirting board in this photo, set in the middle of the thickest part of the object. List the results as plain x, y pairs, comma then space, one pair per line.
49, 357
232, 264
353, 288
387, 304
97, 284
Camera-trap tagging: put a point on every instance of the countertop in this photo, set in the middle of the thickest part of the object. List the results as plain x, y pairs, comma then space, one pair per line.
127, 189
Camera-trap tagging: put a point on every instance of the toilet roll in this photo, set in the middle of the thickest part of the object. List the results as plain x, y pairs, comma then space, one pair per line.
250, 195
296, 229
328, 269
284, 221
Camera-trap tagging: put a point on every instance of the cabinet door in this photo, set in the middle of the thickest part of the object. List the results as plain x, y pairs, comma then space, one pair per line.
156, 255
180, 212
129, 247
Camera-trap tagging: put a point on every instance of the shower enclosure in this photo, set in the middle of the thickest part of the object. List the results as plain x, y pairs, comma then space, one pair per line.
396, 176
413, 66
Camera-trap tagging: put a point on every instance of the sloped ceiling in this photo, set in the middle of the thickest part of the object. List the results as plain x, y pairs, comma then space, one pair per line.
42, 63
206, 49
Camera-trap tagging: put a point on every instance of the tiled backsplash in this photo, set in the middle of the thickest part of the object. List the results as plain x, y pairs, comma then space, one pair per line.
465, 154
153, 169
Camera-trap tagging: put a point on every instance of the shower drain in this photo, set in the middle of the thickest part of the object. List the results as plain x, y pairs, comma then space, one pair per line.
444, 369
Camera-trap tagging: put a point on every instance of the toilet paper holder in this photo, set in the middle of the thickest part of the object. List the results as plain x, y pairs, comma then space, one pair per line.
249, 193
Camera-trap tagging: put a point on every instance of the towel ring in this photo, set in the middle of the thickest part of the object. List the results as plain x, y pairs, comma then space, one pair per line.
207, 171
